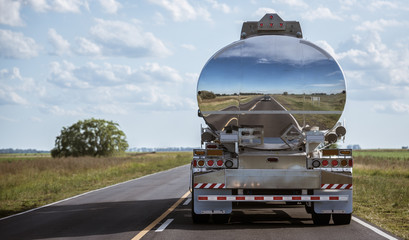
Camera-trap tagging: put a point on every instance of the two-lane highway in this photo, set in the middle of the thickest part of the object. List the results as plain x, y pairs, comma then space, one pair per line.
126, 210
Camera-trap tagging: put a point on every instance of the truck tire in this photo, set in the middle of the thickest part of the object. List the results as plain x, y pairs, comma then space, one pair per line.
341, 219
308, 209
200, 218
321, 219
221, 218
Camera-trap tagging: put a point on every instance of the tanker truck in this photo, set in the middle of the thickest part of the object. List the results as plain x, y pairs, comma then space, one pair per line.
272, 103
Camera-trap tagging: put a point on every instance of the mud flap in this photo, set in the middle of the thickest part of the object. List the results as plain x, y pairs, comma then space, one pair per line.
207, 207
341, 207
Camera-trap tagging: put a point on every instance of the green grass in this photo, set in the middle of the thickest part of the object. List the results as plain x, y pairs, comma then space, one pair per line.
381, 189
27, 183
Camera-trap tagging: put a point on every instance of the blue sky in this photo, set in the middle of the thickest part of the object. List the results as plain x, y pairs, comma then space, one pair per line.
137, 63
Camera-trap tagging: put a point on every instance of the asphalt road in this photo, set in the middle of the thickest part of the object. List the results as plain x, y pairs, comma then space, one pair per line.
123, 211
274, 125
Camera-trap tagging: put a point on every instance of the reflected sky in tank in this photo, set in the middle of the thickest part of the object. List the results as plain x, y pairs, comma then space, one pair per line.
272, 65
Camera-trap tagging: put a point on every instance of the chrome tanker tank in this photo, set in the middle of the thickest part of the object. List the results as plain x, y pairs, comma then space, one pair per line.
271, 81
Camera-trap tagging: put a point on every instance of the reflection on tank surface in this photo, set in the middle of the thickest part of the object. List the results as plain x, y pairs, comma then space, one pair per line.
271, 81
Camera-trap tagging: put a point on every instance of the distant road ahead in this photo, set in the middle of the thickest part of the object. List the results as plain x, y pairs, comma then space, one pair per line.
123, 211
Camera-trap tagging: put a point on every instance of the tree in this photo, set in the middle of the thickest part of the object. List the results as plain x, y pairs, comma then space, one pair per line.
91, 137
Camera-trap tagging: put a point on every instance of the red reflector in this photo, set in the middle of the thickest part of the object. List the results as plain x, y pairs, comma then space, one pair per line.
271, 25
334, 163
220, 163
350, 163
281, 24
258, 198
333, 198
221, 198
324, 163
315, 198
278, 198
261, 24
202, 198
194, 163
210, 163
241, 198
296, 198
271, 16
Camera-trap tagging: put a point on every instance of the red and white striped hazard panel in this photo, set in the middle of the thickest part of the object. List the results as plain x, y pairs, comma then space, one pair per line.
258, 198
209, 185
336, 186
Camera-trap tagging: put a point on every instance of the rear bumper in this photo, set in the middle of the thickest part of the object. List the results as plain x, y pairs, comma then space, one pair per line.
272, 198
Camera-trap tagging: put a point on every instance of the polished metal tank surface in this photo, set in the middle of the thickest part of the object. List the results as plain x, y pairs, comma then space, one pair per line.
274, 82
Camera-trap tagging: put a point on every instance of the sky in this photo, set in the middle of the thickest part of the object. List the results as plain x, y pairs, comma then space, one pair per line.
137, 63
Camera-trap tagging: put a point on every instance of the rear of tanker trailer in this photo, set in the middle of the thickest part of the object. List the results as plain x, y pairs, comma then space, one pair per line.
272, 103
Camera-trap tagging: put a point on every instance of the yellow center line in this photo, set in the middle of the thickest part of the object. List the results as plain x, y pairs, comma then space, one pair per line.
234, 118
154, 223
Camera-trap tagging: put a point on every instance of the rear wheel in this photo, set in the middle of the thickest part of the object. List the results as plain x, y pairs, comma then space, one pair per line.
221, 218
321, 219
341, 219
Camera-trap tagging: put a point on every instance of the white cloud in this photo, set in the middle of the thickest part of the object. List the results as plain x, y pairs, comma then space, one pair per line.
376, 5
393, 107
188, 46
262, 11
10, 13
68, 5
13, 87
127, 39
292, 3
220, 6
16, 45
321, 13
63, 6
104, 87
62, 74
379, 25
87, 47
110, 6
39, 5
377, 71
60, 45
182, 10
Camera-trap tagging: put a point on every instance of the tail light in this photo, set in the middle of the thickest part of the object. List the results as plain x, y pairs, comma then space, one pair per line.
194, 163
334, 163
201, 163
350, 162
220, 163
325, 163
210, 163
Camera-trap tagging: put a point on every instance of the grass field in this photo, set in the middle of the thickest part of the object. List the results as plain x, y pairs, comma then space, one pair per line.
381, 189
29, 181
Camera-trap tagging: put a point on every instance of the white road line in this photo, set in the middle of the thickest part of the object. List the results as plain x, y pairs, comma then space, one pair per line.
383, 234
164, 225
80, 195
187, 201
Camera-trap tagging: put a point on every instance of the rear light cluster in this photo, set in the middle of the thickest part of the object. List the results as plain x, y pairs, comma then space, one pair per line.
332, 163
211, 157
212, 163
